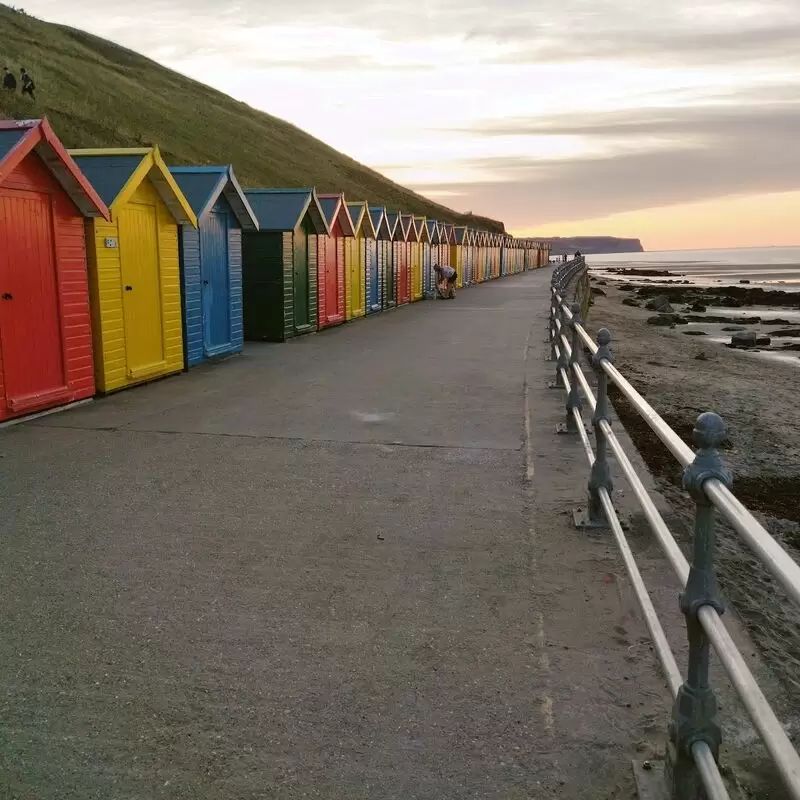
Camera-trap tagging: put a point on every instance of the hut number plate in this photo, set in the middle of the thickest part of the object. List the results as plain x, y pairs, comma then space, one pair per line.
112, 243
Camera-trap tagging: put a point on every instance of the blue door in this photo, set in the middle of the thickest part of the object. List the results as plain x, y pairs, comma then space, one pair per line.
216, 283
373, 285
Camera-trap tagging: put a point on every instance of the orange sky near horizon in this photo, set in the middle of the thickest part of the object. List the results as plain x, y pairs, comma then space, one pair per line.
762, 220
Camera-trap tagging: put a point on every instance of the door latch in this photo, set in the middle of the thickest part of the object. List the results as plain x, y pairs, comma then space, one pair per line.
8, 296
129, 288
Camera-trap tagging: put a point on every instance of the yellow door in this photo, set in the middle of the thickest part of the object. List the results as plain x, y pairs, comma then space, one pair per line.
141, 292
355, 277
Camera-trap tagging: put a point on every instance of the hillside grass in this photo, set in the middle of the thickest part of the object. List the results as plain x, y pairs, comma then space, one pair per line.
98, 94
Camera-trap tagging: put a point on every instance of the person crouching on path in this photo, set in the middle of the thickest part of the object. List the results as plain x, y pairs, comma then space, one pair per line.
446, 281
9, 81
27, 83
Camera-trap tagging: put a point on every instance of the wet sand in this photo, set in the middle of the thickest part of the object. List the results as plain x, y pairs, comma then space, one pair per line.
759, 398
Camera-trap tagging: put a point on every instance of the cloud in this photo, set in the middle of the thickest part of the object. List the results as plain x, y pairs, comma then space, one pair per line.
763, 121
666, 156
527, 111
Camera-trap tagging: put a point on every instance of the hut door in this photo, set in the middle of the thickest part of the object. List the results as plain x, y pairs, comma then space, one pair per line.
216, 286
331, 277
373, 287
301, 267
141, 290
30, 318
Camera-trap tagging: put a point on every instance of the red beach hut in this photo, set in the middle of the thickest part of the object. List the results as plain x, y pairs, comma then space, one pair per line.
45, 322
331, 276
407, 234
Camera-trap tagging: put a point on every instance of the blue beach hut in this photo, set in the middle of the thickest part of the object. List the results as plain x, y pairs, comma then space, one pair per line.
377, 287
211, 262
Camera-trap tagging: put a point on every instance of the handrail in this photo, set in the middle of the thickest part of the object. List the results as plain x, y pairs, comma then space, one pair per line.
774, 557
695, 739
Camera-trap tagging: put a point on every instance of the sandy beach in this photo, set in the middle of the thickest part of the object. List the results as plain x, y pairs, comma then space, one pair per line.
683, 375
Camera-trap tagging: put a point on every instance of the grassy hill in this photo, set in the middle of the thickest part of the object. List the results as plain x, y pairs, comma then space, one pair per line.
98, 94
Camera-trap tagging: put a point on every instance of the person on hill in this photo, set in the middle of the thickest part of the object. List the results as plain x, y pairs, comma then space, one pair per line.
9, 81
27, 83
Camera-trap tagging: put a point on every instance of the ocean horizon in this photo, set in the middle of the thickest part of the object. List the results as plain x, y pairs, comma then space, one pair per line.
769, 266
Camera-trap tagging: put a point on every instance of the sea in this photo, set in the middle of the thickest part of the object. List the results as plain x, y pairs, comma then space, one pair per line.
774, 267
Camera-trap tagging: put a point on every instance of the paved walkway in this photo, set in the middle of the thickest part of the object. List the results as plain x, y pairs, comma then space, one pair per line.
318, 571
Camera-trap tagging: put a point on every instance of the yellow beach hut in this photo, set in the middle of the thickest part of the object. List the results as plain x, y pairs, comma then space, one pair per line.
355, 259
134, 272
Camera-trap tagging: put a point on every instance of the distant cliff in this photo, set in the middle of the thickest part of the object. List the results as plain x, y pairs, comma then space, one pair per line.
594, 244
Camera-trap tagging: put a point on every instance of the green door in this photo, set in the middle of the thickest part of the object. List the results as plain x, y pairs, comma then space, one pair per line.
301, 267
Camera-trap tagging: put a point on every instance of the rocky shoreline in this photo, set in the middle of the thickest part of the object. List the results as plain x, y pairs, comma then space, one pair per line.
683, 376
676, 306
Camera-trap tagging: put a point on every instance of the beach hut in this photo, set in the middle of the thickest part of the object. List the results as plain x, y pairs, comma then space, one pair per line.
495, 255
383, 245
392, 261
406, 235
505, 265
516, 252
279, 264
433, 236
134, 266
473, 255
414, 258
331, 264
361, 260
417, 282
444, 245
45, 322
483, 255
459, 258
425, 253
211, 262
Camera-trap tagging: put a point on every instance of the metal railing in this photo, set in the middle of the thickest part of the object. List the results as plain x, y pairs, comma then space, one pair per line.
695, 733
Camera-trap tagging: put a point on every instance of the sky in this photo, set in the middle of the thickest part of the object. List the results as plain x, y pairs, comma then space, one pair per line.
676, 122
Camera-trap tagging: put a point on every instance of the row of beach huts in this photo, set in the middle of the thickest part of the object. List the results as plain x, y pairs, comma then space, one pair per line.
116, 269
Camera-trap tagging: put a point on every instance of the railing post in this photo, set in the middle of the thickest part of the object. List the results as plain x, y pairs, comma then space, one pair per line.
574, 400
600, 475
551, 330
695, 711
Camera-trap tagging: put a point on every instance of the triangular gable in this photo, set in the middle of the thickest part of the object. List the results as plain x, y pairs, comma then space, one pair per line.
462, 236
283, 210
433, 230
334, 208
393, 222
116, 174
18, 138
202, 187
422, 230
362, 220
379, 222
412, 235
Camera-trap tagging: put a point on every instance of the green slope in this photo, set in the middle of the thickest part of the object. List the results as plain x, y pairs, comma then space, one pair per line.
98, 94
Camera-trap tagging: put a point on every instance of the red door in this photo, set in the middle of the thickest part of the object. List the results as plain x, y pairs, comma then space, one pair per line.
30, 318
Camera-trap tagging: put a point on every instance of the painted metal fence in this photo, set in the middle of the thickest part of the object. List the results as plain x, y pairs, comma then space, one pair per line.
695, 733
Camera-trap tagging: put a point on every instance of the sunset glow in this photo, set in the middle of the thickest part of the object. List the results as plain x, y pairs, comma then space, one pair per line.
676, 124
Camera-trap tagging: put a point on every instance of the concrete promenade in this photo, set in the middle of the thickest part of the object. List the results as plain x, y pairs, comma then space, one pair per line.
319, 570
